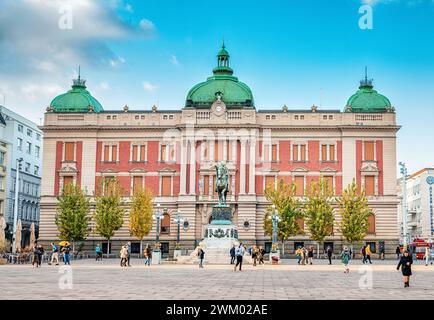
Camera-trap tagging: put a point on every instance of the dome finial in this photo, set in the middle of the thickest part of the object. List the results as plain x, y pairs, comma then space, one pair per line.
79, 83
78, 72
223, 41
366, 83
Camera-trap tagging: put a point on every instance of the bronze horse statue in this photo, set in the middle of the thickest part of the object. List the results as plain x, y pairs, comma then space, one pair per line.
222, 183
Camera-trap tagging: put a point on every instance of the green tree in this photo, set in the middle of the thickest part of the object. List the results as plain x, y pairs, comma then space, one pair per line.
319, 211
289, 210
141, 210
109, 212
72, 218
354, 210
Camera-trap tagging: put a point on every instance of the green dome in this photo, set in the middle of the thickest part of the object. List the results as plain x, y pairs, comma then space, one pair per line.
232, 92
367, 100
78, 99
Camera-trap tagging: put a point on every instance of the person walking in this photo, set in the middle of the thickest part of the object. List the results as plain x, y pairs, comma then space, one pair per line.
427, 255
201, 255
239, 253
124, 255
329, 252
345, 258
303, 256
382, 252
35, 254
310, 255
368, 253
54, 254
98, 252
147, 254
298, 254
40, 253
405, 263
363, 252
254, 255
129, 253
66, 254
261, 253
232, 253
398, 252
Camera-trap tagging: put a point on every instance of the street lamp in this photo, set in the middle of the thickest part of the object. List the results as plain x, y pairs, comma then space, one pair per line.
178, 219
403, 171
17, 189
158, 216
275, 219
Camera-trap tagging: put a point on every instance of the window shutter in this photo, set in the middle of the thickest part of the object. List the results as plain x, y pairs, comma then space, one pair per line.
303, 152
324, 152
69, 151
332, 152
206, 185
299, 185
114, 153
369, 150
166, 186
274, 152
106, 153
369, 185
135, 153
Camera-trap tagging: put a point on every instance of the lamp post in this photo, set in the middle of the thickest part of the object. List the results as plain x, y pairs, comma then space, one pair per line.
178, 219
403, 171
158, 216
17, 189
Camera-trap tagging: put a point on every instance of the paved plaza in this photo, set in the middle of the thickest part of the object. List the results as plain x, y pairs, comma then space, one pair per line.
106, 280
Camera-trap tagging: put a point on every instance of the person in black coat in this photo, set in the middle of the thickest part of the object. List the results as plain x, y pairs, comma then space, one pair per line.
232, 253
405, 263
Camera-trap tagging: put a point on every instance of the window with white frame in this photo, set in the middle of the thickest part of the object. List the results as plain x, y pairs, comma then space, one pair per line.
167, 152
328, 152
299, 152
110, 152
270, 152
20, 144
138, 152
37, 151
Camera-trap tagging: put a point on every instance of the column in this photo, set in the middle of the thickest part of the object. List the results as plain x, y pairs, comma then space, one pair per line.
183, 176
243, 167
192, 167
252, 168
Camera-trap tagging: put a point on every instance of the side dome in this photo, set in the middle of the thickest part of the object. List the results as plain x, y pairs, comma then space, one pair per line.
368, 100
78, 99
223, 84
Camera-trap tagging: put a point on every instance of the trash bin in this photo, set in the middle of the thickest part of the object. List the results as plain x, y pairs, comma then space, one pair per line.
274, 260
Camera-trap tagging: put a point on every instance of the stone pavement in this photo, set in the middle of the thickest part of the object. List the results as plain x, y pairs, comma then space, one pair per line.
106, 280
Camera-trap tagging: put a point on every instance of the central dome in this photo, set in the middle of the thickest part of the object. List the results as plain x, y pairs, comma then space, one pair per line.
232, 92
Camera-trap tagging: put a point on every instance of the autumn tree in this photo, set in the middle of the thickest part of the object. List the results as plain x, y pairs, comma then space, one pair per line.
141, 210
355, 212
109, 212
288, 207
319, 211
72, 218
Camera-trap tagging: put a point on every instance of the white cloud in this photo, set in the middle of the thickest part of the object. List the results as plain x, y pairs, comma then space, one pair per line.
174, 60
147, 86
104, 86
147, 25
129, 8
34, 91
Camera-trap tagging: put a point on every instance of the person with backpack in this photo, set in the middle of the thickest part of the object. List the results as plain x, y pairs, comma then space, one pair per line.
66, 254
329, 252
54, 254
148, 255
232, 253
368, 253
201, 255
239, 253
345, 258
98, 252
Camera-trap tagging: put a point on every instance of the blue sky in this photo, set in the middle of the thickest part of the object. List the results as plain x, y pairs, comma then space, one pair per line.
296, 53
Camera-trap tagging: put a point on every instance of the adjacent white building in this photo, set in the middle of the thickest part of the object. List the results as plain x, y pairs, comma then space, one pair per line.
419, 203
22, 140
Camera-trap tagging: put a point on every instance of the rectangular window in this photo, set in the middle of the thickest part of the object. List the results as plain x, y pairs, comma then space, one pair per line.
163, 152
299, 185
371, 224
295, 152
171, 152
37, 151
300, 223
166, 186
67, 180
229, 150
216, 151
38, 137
205, 150
324, 152
142, 153
28, 148
369, 151
29, 132
20, 128
332, 152
36, 172
328, 181
135, 150
69, 151
369, 185
20, 144
27, 167
302, 152
114, 153
269, 181
206, 185
274, 152
137, 184
106, 153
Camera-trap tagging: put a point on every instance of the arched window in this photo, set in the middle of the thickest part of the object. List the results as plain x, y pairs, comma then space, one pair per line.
165, 224
371, 224
300, 222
